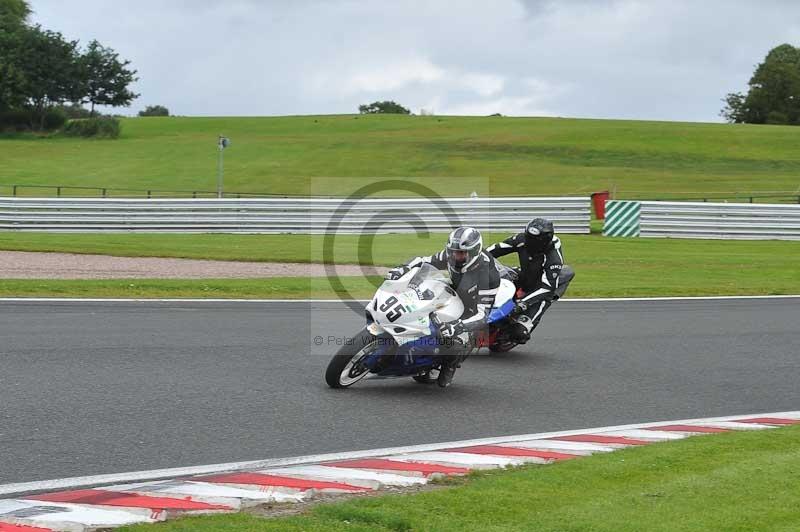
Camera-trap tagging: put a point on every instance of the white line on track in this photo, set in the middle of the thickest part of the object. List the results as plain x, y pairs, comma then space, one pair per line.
159, 474
222, 300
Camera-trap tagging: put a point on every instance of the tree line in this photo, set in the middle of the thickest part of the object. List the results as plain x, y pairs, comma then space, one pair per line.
384, 107
773, 95
41, 72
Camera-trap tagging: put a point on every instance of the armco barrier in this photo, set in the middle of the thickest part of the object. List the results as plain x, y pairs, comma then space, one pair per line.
308, 215
702, 220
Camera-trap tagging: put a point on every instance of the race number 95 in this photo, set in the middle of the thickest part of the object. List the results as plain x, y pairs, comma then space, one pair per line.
393, 314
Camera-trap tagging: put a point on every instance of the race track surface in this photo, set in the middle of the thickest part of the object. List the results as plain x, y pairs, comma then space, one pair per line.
100, 387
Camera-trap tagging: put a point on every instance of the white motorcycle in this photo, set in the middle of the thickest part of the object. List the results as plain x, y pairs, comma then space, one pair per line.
401, 338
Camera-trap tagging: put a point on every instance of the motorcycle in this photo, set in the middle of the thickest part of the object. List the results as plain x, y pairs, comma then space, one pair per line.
401, 337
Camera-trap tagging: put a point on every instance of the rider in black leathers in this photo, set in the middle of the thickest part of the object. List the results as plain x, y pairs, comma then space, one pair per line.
543, 276
476, 280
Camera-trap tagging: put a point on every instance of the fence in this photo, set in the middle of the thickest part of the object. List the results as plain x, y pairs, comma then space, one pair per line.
30, 190
742, 197
702, 220
107, 192
569, 215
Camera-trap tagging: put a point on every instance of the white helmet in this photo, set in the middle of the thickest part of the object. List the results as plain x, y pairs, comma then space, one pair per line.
464, 246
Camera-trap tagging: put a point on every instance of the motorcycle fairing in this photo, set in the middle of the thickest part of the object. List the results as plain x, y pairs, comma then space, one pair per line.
401, 310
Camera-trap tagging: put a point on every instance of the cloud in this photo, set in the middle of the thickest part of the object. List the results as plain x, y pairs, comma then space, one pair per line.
528, 97
482, 84
369, 80
669, 60
521, 106
381, 76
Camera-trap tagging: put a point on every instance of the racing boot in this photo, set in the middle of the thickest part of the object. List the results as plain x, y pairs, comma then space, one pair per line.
447, 371
455, 339
521, 329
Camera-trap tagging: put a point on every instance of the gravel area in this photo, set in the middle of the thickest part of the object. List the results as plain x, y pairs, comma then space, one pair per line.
32, 265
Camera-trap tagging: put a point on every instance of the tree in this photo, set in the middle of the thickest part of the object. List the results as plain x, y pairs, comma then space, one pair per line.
105, 77
49, 67
40, 71
11, 78
75, 111
386, 107
13, 14
774, 91
154, 110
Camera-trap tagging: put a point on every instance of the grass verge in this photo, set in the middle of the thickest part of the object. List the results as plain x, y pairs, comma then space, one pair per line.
272, 288
727, 482
606, 267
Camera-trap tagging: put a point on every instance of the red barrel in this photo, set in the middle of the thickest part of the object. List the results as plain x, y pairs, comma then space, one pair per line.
599, 202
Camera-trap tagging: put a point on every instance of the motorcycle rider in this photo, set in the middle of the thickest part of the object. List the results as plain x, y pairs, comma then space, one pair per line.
543, 276
476, 280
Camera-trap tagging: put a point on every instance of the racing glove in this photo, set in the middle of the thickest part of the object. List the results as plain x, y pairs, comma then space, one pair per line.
454, 333
452, 329
395, 273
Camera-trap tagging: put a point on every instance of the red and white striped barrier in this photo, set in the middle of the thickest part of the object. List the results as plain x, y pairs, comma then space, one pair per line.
148, 497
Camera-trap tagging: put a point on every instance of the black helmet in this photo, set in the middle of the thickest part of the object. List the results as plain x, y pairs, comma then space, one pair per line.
464, 246
538, 235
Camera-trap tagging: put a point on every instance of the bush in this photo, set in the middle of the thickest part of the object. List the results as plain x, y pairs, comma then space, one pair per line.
154, 110
98, 126
778, 118
16, 120
19, 120
54, 118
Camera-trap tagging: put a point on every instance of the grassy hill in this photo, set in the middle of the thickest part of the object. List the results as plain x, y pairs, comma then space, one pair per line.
494, 155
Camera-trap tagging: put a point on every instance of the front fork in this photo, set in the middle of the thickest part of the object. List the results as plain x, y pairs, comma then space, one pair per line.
386, 349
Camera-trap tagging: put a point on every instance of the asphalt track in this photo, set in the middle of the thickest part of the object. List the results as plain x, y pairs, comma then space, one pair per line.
99, 387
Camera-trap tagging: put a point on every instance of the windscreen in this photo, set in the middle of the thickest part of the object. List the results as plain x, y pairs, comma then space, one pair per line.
427, 272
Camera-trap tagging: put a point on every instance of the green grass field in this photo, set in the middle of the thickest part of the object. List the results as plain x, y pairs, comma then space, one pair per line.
332, 155
606, 267
453, 155
728, 482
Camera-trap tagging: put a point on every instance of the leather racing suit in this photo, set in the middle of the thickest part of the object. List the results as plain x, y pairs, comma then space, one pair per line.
543, 276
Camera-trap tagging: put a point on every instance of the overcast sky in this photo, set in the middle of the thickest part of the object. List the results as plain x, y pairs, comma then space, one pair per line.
663, 60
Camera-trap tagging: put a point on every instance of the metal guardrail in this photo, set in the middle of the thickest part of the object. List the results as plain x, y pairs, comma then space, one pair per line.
308, 215
719, 220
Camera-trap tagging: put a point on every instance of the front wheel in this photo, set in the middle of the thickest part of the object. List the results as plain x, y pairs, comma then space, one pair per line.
347, 365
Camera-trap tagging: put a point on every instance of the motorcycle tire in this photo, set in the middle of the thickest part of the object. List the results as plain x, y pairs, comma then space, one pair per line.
343, 369
502, 347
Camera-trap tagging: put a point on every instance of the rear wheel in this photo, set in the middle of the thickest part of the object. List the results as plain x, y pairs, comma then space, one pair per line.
347, 366
502, 346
